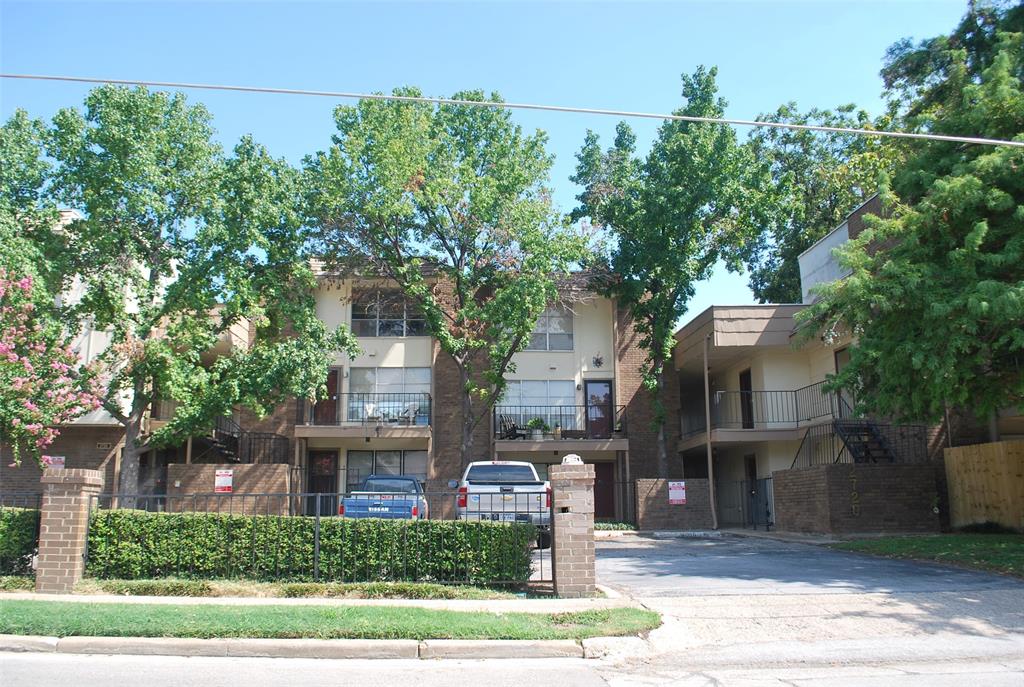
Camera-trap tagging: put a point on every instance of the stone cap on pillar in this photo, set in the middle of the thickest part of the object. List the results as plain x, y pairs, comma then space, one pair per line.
571, 471
73, 477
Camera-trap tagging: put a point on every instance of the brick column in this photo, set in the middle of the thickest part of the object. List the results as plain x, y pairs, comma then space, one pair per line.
572, 552
64, 519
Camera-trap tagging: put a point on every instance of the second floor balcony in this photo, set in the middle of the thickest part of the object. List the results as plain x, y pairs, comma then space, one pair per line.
764, 410
368, 409
553, 422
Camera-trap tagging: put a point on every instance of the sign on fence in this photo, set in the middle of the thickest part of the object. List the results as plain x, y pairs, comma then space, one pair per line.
677, 493
222, 481
54, 462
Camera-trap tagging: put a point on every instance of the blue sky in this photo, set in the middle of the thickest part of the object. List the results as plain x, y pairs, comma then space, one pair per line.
610, 55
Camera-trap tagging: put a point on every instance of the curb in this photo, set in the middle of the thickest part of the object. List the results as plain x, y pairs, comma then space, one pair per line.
383, 649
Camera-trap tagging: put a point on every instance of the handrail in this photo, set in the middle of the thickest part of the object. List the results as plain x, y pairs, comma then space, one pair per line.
358, 408
586, 421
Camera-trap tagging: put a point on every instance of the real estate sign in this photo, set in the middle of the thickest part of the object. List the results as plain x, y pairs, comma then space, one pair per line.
677, 493
222, 481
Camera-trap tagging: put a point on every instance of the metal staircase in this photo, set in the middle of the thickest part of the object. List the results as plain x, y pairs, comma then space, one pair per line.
234, 445
864, 440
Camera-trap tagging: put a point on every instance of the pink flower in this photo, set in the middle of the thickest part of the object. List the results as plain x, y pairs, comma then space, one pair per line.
16, 421
29, 405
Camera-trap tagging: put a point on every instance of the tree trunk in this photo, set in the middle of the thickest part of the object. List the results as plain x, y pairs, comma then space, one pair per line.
129, 480
466, 446
660, 410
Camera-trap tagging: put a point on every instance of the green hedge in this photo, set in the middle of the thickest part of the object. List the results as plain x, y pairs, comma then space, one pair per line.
129, 544
19, 539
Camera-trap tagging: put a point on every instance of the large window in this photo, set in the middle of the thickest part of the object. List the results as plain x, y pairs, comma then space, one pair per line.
553, 401
362, 464
385, 313
389, 394
553, 331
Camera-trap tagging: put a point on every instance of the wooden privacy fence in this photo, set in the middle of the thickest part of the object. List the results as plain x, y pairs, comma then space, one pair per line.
986, 484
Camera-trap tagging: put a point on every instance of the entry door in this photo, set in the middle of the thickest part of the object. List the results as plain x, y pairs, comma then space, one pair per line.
746, 400
600, 414
323, 479
325, 412
604, 490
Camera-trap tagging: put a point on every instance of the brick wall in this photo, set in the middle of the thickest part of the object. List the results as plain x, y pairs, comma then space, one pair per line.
247, 479
64, 518
654, 512
629, 392
78, 444
445, 461
848, 499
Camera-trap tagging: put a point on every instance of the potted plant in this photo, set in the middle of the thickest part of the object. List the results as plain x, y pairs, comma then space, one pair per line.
537, 427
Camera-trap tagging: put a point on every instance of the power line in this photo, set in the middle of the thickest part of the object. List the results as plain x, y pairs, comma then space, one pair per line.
523, 106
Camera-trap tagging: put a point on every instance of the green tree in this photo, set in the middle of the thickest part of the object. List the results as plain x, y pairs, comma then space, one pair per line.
936, 294
671, 217
40, 387
809, 181
450, 203
176, 247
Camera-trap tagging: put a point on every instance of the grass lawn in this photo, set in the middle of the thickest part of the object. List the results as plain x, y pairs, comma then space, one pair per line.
336, 590
62, 619
1003, 553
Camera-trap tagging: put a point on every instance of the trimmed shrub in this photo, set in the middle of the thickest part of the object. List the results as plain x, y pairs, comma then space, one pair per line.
157, 587
129, 544
19, 539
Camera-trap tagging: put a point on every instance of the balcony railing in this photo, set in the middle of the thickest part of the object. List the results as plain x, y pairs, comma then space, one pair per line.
397, 409
764, 409
594, 421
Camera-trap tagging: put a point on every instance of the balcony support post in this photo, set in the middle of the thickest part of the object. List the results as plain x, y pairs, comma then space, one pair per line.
707, 432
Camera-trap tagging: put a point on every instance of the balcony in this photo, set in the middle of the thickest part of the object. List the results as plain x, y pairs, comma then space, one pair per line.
359, 414
760, 411
588, 423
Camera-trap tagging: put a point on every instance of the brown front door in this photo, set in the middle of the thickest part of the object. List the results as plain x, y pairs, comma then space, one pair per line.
598, 395
604, 490
323, 481
746, 400
325, 412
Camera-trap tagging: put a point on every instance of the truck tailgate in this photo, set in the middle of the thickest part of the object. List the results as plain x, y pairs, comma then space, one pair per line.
379, 506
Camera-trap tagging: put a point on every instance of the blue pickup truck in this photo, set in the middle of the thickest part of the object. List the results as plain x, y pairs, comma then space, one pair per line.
392, 497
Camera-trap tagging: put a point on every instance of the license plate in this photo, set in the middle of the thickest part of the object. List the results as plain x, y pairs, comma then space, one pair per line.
503, 517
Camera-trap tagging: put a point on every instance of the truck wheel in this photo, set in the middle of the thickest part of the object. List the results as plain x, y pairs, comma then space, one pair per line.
543, 540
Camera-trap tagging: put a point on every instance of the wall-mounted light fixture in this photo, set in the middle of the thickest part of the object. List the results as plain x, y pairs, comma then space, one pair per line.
579, 387
598, 360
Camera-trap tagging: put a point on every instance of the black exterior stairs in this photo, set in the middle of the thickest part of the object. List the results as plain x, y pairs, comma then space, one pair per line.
234, 445
864, 441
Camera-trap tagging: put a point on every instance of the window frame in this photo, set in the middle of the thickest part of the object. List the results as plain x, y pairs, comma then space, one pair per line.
543, 329
409, 315
350, 485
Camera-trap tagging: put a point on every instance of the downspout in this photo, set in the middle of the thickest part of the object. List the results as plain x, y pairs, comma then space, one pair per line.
707, 435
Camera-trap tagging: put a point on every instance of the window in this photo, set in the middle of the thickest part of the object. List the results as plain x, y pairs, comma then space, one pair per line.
553, 401
553, 331
362, 464
389, 393
385, 313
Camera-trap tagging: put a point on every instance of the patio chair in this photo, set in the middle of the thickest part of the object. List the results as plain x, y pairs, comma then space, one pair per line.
370, 412
412, 408
508, 429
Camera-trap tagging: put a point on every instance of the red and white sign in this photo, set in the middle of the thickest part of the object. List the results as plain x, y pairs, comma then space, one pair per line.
677, 493
222, 481
54, 462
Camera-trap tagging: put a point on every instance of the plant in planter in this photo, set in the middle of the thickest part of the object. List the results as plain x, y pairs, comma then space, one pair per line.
537, 427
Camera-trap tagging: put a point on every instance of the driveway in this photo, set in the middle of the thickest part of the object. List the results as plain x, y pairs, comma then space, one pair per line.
742, 602
728, 565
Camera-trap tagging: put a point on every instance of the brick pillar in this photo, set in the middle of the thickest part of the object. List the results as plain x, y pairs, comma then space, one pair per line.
64, 518
572, 552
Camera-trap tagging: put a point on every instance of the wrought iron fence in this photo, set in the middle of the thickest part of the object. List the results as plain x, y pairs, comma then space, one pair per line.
400, 409
862, 440
19, 532
442, 537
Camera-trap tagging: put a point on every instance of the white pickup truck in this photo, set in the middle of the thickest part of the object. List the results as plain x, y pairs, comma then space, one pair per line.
505, 491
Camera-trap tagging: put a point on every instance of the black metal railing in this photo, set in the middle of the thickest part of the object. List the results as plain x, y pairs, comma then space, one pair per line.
764, 409
746, 503
301, 536
862, 440
19, 515
402, 409
229, 442
593, 421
